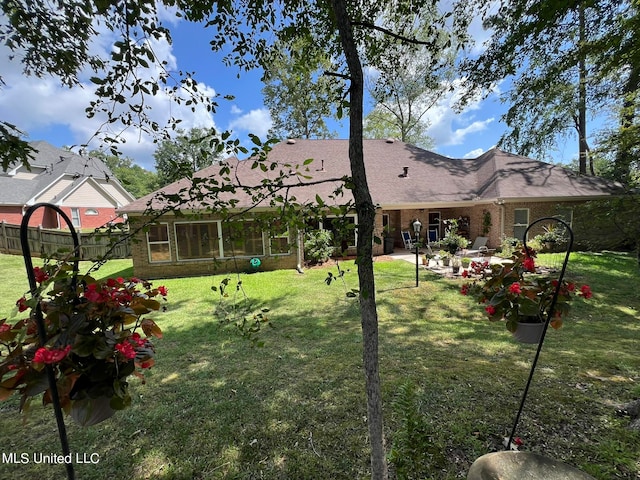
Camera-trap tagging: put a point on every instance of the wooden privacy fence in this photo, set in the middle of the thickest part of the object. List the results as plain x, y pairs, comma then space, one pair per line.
46, 242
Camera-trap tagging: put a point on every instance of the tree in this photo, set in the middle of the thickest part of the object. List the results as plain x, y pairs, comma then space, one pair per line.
297, 92
410, 76
554, 52
337, 30
184, 155
135, 179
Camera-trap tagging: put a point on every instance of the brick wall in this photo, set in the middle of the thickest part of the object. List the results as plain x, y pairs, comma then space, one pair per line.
143, 268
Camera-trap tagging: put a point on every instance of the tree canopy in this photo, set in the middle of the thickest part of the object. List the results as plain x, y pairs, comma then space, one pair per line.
299, 94
567, 62
185, 154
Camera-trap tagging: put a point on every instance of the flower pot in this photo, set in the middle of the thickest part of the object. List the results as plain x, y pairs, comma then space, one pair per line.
388, 245
527, 332
90, 411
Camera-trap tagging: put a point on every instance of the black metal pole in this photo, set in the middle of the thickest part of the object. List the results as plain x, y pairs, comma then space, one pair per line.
51, 376
417, 276
547, 320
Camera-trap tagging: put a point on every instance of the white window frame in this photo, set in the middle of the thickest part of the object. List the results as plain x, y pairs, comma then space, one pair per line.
284, 235
560, 214
520, 225
75, 217
355, 223
219, 231
222, 252
167, 242
91, 212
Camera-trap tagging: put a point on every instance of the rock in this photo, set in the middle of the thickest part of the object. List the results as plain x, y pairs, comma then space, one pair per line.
522, 466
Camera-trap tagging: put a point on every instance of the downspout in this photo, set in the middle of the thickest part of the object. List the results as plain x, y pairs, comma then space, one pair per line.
300, 241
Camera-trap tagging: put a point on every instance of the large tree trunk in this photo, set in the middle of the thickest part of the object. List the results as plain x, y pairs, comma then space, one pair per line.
583, 147
366, 214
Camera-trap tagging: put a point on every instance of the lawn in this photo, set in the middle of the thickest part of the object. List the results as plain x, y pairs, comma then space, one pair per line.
217, 406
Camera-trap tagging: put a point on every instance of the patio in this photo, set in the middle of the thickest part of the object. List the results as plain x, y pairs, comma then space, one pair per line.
435, 264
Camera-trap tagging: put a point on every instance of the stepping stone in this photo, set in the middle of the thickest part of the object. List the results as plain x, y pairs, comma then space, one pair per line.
522, 466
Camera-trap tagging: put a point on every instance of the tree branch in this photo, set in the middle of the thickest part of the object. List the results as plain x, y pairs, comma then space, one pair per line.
390, 33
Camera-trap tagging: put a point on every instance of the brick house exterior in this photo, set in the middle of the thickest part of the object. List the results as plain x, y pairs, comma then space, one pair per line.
504, 190
82, 187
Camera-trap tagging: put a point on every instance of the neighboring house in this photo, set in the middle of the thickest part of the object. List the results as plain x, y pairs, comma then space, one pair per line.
506, 191
83, 187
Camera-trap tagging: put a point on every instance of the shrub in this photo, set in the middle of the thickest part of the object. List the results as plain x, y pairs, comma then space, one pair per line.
318, 246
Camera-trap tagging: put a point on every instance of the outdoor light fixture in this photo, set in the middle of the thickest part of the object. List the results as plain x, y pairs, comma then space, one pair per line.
416, 228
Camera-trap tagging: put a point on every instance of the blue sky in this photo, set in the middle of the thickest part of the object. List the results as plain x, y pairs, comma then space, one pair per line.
47, 111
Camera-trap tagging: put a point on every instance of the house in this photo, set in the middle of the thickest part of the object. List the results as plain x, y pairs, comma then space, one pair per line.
496, 195
83, 187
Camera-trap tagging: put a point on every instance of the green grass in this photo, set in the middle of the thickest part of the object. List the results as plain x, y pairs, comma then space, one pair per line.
215, 407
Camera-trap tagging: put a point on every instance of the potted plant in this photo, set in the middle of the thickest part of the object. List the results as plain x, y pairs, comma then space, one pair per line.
465, 262
388, 239
516, 293
552, 236
455, 264
452, 241
97, 337
445, 257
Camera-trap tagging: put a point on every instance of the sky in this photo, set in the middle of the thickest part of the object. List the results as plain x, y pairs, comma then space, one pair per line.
45, 110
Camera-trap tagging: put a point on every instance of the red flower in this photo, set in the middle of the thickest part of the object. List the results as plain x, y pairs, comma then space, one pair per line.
163, 290
126, 349
40, 274
22, 304
464, 289
44, 355
491, 310
5, 327
585, 290
529, 264
515, 288
465, 273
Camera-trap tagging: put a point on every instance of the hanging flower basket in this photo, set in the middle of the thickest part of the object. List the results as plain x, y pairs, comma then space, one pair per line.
517, 291
96, 335
528, 332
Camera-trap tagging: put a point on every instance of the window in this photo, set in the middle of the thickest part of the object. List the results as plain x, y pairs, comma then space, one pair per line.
520, 222
197, 240
343, 229
434, 226
565, 214
279, 239
158, 243
242, 239
91, 211
75, 217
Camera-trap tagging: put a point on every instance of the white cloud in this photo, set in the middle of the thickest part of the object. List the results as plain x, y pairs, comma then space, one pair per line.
474, 153
257, 121
447, 126
35, 104
235, 110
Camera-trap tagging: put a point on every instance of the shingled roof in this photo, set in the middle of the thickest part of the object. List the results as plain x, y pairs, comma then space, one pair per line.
404, 176
49, 167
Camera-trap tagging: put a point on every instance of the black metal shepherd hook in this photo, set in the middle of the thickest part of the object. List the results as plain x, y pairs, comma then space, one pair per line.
26, 253
550, 313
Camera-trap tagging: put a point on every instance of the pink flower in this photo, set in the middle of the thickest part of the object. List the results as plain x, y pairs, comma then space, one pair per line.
5, 327
163, 290
585, 290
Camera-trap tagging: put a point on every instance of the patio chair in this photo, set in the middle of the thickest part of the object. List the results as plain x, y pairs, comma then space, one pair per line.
479, 248
407, 240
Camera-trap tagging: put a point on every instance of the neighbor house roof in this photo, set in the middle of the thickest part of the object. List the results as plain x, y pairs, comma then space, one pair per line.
57, 174
404, 176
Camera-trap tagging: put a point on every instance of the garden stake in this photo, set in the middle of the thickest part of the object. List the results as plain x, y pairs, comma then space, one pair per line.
26, 253
549, 316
